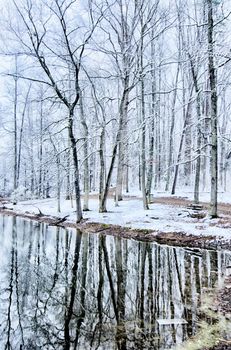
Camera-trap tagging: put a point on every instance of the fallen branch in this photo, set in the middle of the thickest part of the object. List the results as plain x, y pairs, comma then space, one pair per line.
4, 207
59, 221
40, 213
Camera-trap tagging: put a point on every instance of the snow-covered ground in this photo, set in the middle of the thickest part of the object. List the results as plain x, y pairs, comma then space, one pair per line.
130, 213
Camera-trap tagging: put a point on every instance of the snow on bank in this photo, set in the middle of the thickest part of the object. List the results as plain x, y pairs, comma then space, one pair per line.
130, 213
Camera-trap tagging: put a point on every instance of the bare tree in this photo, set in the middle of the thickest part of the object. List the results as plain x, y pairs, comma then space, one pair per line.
213, 96
69, 58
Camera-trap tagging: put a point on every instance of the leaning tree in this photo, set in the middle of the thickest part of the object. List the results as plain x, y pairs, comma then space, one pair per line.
55, 36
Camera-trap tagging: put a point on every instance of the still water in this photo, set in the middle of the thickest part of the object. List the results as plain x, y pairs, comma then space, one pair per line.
61, 289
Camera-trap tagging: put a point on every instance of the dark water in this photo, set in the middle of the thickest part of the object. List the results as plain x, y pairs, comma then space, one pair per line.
60, 289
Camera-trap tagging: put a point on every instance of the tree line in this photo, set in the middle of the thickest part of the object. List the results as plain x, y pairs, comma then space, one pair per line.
115, 93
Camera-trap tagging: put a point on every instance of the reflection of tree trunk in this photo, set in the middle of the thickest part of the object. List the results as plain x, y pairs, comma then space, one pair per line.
150, 283
121, 330
140, 294
44, 232
100, 289
19, 309
197, 277
66, 255
151, 310
194, 296
214, 267
179, 281
81, 315
142, 280
157, 286
10, 289
187, 293
38, 286
28, 268
70, 307
119, 302
112, 289
13, 271
159, 313
56, 272
137, 298
171, 295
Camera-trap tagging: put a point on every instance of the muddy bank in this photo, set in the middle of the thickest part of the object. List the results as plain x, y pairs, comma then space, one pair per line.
170, 238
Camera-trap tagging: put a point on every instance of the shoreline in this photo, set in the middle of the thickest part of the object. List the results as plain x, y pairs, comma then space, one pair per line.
176, 239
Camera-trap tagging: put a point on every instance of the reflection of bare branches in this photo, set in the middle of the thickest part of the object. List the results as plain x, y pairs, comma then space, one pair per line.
55, 277
70, 302
81, 316
69, 308
10, 289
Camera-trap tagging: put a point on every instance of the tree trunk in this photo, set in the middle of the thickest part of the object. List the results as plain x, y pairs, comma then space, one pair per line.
15, 123
102, 170
143, 121
40, 148
198, 161
181, 145
102, 204
187, 151
212, 80
85, 155
58, 183
123, 110
206, 126
68, 169
143, 158
170, 149
103, 201
21, 135
198, 111
152, 129
79, 215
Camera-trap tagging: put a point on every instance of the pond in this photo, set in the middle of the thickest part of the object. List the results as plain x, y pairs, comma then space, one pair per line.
61, 289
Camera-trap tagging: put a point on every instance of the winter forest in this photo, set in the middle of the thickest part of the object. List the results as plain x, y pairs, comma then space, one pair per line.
123, 94
115, 129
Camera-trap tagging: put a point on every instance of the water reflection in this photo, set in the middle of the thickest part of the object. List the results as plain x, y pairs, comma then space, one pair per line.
61, 289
